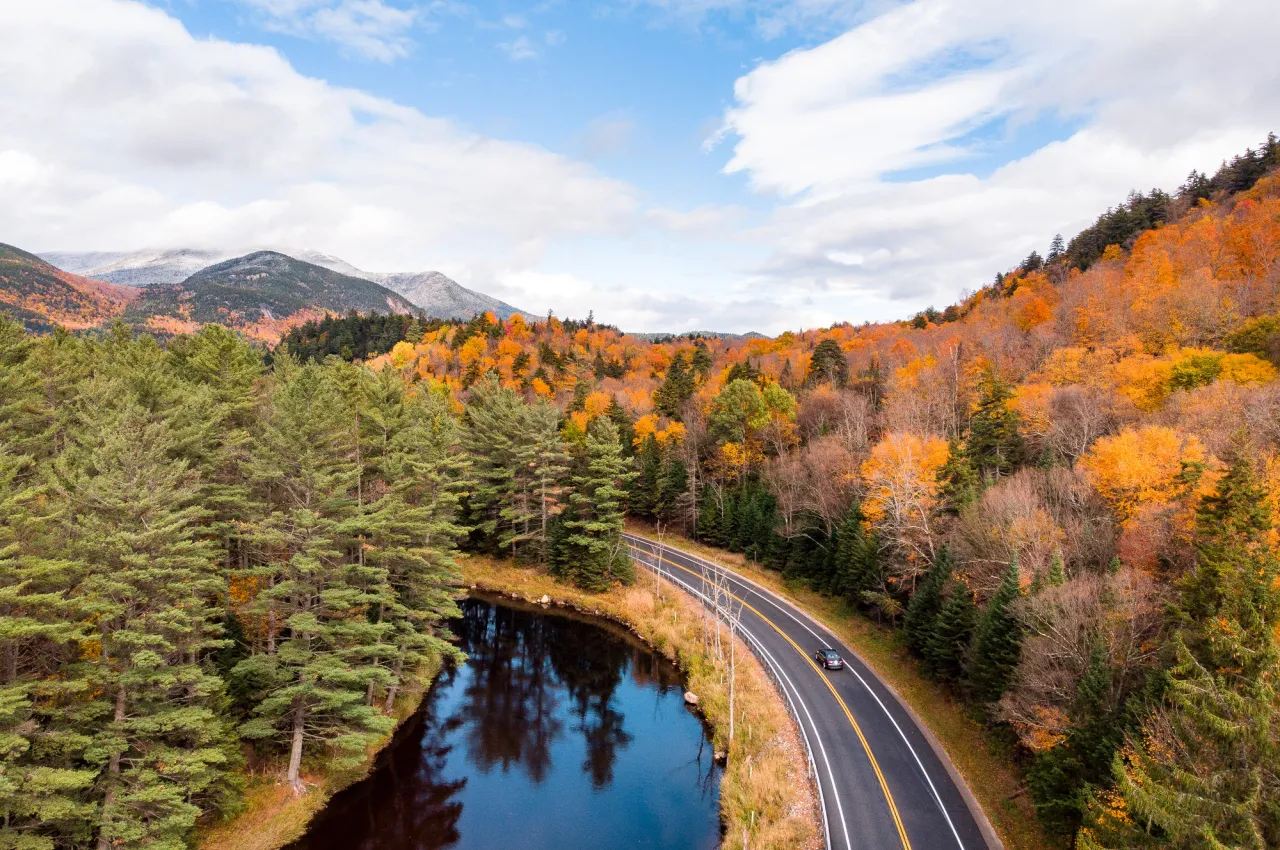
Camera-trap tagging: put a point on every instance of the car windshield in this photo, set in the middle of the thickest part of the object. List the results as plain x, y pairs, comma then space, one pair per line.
830, 654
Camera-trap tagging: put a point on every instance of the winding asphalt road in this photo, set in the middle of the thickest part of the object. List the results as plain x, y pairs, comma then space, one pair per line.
881, 783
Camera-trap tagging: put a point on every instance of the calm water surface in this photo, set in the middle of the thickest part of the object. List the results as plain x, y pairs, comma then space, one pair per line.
557, 734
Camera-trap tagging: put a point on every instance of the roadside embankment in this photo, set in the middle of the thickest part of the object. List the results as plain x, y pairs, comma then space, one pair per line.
767, 800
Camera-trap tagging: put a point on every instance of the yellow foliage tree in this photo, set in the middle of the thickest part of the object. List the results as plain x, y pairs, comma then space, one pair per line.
1151, 465
901, 478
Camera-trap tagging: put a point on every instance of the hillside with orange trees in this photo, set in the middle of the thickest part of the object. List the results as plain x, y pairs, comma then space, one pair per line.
1065, 489
43, 296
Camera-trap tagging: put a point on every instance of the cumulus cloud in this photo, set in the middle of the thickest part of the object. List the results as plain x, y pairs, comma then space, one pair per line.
141, 135
372, 29
875, 141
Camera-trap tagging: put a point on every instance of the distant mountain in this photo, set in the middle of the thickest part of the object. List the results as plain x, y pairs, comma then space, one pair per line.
437, 295
138, 268
262, 294
654, 337
42, 297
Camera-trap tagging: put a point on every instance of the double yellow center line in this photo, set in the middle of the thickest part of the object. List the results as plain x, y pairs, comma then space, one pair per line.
866, 747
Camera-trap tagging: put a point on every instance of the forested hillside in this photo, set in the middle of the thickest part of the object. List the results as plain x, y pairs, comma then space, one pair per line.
1064, 490
43, 297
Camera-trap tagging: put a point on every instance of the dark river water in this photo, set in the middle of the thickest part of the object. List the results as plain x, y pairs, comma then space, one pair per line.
557, 734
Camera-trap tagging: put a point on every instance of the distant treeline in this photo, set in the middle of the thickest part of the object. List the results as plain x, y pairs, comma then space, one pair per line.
355, 336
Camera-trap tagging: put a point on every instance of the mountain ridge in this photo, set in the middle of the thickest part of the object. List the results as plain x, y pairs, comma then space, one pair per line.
438, 295
262, 294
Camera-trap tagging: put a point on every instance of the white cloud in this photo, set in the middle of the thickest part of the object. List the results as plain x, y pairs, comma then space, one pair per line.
372, 29
520, 48
141, 135
1148, 91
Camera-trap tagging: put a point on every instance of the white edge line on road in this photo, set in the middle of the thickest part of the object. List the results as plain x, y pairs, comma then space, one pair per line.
772, 598
794, 697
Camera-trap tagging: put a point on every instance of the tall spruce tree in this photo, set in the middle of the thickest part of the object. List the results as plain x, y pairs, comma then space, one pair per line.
959, 478
997, 644
45, 786
672, 486
593, 554
648, 479
131, 523
407, 523
314, 678
677, 387
856, 568
544, 465
947, 651
926, 603
493, 439
827, 364
994, 444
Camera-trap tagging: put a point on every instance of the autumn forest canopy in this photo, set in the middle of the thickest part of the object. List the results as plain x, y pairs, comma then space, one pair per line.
1061, 494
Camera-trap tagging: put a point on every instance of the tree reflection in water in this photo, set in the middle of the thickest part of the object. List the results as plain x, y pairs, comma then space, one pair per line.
553, 700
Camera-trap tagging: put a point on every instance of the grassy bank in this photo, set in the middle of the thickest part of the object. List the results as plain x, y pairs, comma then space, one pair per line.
767, 801
981, 759
272, 816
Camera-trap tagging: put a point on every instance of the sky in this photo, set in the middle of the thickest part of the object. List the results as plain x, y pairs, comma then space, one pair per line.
670, 165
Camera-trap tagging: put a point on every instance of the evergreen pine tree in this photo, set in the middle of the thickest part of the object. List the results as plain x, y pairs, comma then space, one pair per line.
547, 462
959, 478
626, 427
856, 562
410, 527
710, 526
1057, 570
701, 362
672, 487
593, 554
314, 678
947, 651
828, 364
995, 445
926, 604
44, 783
132, 525
677, 387
648, 480
493, 439
997, 643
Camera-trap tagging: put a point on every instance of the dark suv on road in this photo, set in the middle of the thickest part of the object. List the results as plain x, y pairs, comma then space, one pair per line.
829, 659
